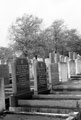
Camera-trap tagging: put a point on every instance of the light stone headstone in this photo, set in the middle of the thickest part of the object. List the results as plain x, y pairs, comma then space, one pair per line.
71, 68
70, 55
78, 65
66, 59
4, 73
57, 57
74, 55
51, 57
61, 58
2, 95
63, 71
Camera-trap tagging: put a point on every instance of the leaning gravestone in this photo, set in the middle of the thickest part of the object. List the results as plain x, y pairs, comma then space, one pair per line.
20, 78
40, 78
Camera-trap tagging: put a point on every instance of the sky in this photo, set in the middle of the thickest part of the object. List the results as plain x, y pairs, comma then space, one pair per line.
48, 10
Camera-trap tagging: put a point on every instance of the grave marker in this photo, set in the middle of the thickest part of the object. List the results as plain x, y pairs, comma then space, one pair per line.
71, 68
40, 77
20, 77
53, 74
4, 73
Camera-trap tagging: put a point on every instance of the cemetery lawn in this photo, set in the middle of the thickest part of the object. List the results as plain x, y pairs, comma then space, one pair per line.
28, 117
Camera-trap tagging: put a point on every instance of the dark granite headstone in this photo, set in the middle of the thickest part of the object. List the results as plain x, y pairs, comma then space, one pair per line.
22, 75
4, 73
41, 77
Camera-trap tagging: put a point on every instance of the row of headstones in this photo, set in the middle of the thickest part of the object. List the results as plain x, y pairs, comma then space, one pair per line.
21, 80
61, 68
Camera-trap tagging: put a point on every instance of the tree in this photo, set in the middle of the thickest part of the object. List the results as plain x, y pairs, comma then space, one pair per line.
24, 33
73, 41
6, 53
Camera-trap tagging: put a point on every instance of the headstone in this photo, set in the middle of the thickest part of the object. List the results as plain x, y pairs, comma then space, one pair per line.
70, 55
74, 55
66, 59
47, 61
4, 73
61, 58
2, 95
20, 78
63, 71
78, 65
57, 58
51, 57
40, 77
53, 74
71, 68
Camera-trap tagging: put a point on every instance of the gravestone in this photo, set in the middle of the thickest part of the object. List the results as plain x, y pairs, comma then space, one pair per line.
53, 74
70, 55
4, 73
78, 65
74, 55
71, 68
40, 78
52, 57
57, 57
20, 78
63, 71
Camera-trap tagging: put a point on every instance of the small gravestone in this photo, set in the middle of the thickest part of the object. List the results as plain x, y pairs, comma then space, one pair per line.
40, 77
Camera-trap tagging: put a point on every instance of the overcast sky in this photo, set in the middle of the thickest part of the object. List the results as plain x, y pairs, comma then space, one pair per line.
48, 10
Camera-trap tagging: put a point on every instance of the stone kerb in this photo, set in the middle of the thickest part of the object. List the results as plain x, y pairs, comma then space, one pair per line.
53, 74
20, 78
71, 68
78, 65
40, 77
63, 71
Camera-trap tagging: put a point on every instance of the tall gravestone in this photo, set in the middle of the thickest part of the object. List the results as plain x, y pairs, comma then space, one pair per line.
57, 57
40, 78
74, 55
53, 74
71, 68
78, 65
63, 71
4, 73
52, 57
70, 55
20, 80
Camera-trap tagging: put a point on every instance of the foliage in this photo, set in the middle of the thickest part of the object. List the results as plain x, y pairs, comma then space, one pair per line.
24, 32
27, 36
6, 53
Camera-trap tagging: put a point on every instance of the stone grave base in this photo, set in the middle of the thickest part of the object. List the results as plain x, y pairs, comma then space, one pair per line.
44, 92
